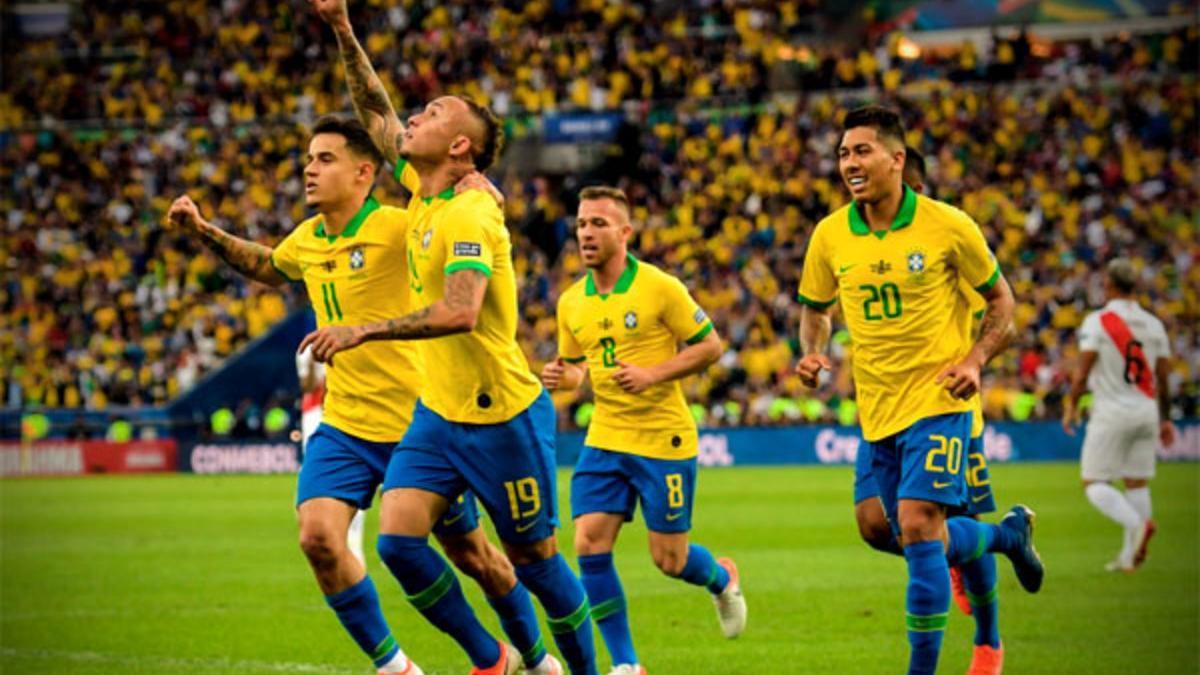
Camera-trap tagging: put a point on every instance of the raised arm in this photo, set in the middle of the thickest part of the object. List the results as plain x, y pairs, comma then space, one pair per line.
370, 99
247, 257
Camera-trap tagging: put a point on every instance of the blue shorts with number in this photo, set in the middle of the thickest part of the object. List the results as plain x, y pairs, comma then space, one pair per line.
979, 485
349, 468
612, 482
509, 466
927, 461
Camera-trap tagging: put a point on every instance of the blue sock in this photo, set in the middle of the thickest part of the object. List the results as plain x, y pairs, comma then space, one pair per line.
566, 605
702, 569
607, 599
520, 624
928, 604
969, 539
979, 579
433, 590
358, 609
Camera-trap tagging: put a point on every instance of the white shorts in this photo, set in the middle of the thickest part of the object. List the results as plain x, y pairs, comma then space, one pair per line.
1115, 448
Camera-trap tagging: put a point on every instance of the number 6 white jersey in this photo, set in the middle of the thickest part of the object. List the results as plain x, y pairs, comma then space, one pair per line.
1129, 341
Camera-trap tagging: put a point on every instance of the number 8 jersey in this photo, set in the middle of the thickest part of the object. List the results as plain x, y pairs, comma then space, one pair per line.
899, 290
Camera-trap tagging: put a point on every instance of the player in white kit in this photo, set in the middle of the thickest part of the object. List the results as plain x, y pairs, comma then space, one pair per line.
312, 395
1124, 361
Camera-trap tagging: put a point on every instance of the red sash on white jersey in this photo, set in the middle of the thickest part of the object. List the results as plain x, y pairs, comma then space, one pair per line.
312, 399
1137, 369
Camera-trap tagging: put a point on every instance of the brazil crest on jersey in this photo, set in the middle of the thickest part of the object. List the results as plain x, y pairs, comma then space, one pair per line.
898, 290
641, 322
480, 377
354, 278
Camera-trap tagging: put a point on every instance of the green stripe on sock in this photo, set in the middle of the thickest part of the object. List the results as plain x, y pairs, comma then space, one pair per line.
537, 648
927, 624
712, 577
985, 599
383, 648
436, 590
980, 548
605, 609
571, 622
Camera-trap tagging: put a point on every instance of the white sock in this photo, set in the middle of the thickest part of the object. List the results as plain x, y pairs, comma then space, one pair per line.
1113, 504
354, 537
399, 663
1140, 499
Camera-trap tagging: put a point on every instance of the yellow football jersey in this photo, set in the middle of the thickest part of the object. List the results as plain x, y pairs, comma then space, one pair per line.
642, 323
480, 377
898, 289
352, 279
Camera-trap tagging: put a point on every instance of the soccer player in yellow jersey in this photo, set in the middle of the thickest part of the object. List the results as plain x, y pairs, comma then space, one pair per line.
980, 575
350, 258
622, 323
894, 259
483, 421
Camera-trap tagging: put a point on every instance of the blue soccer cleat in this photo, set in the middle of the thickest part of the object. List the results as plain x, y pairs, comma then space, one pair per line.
1025, 559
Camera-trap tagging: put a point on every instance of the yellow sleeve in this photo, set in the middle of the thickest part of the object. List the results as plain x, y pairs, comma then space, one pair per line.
569, 348
818, 285
683, 316
407, 176
974, 260
284, 257
468, 245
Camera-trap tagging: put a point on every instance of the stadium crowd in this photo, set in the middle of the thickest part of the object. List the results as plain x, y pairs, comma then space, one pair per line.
1062, 159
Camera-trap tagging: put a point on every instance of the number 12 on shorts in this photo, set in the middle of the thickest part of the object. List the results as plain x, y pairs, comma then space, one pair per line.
523, 498
946, 456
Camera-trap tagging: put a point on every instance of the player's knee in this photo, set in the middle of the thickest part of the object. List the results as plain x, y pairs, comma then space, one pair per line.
669, 560
590, 543
921, 521
320, 544
472, 559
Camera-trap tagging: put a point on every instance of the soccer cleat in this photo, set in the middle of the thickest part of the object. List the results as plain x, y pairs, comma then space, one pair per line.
1025, 559
1118, 566
628, 669
1148, 531
987, 660
547, 666
410, 668
958, 592
509, 663
731, 606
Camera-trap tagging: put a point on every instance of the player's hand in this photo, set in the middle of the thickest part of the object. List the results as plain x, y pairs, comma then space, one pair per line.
961, 380
633, 379
478, 181
1166, 433
1070, 418
809, 368
552, 374
185, 214
330, 340
332, 12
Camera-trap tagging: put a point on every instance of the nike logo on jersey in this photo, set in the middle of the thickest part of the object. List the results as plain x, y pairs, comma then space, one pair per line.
672, 517
457, 517
845, 268
937, 484
979, 498
525, 528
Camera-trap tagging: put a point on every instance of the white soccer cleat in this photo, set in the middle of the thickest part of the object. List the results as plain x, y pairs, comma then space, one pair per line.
628, 669
547, 666
406, 666
731, 606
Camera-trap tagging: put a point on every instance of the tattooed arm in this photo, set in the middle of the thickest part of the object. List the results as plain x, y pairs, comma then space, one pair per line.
456, 312
996, 331
370, 99
247, 257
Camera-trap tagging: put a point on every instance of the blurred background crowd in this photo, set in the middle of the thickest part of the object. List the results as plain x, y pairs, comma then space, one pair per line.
1066, 152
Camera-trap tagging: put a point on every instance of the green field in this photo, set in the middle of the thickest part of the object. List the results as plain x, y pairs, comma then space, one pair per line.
189, 574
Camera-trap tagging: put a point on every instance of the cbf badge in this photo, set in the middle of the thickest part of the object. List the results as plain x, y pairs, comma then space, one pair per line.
916, 262
357, 258
631, 320
426, 239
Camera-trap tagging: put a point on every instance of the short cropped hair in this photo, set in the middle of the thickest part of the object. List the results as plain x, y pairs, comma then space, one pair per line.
605, 192
492, 143
885, 121
913, 158
1122, 274
358, 139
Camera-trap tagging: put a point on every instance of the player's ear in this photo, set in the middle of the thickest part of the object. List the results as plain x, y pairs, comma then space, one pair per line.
460, 147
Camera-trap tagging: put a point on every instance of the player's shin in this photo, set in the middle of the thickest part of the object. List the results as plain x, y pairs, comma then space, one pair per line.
358, 609
609, 610
433, 590
566, 605
927, 604
520, 624
702, 569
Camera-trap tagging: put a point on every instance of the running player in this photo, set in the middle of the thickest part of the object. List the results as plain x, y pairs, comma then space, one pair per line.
483, 421
1125, 361
893, 259
346, 256
623, 323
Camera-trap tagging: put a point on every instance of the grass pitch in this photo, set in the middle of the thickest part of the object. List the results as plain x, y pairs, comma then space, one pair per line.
189, 574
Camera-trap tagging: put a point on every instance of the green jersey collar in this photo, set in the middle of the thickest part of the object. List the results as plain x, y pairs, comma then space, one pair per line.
904, 217
448, 193
623, 284
356, 222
